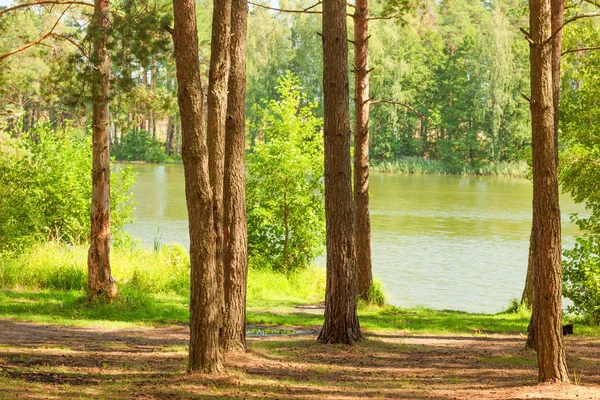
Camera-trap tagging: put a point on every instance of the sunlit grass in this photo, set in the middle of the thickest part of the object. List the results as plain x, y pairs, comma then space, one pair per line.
47, 285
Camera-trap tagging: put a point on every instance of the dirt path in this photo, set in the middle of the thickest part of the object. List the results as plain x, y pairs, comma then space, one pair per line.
58, 362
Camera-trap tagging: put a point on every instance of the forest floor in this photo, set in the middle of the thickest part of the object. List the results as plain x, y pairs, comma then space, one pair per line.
46, 361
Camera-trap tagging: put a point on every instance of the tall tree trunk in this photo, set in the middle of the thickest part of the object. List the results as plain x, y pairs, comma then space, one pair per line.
204, 352
178, 136
527, 296
217, 112
286, 225
364, 267
236, 234
170, 135
100, 280
547, 277
528, 293
341, 322
557, 11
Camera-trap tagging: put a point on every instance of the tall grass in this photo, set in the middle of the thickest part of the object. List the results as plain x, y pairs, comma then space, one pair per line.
141, 272
417, 165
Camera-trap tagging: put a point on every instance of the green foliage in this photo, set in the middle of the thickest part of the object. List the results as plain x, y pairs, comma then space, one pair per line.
139, 146
581, 268
45, 189
286, 221
581, 275
580, 168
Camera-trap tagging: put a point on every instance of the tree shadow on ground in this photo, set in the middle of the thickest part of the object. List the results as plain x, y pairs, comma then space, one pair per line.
49, 361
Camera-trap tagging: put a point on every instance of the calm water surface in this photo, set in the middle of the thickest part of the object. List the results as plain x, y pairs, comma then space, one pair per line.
442, 242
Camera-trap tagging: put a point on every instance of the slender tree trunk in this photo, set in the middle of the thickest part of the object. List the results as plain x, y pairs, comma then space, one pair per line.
236, 234
204, 352
527, 296
286, 224
170, 135
558, 10
341, 322
547, 277
178, 137
100, 280
217, 112
364, 267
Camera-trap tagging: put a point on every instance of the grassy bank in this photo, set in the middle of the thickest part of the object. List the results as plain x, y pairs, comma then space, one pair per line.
141, 272
47, 285
417, 165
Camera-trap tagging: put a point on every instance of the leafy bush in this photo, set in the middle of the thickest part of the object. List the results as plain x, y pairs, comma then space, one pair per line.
139, 146
581, 269
46, 189
286, 218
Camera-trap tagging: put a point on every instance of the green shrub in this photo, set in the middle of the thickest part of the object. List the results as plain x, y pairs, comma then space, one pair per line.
45, 189
581, 271
139, 146
286, 216
580, 175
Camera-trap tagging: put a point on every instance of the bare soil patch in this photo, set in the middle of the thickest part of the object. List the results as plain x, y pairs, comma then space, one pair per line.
59, 362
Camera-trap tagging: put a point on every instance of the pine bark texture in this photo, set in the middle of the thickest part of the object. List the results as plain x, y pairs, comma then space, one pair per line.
216, 114
547, 277
341, 322
527, 296
204, 351
361, 149
100, 280
236, 233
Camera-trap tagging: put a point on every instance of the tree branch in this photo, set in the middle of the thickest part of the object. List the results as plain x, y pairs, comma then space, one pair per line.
527, 37
25, 47
74, 43
592, 2
580, 49
43, 2
400, 104
573, 19
307, 10
580, 16
378, 18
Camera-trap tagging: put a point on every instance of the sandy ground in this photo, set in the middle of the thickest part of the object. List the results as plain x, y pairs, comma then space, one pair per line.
58, 362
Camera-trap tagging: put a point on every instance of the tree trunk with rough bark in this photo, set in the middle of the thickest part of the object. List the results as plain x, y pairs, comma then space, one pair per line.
557, 11
527, 296
234, 198
364, 267
204, 351
341, 322
216, 114
547, 276
100, 280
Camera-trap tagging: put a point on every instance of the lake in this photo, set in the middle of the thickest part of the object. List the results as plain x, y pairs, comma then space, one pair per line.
442, 242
